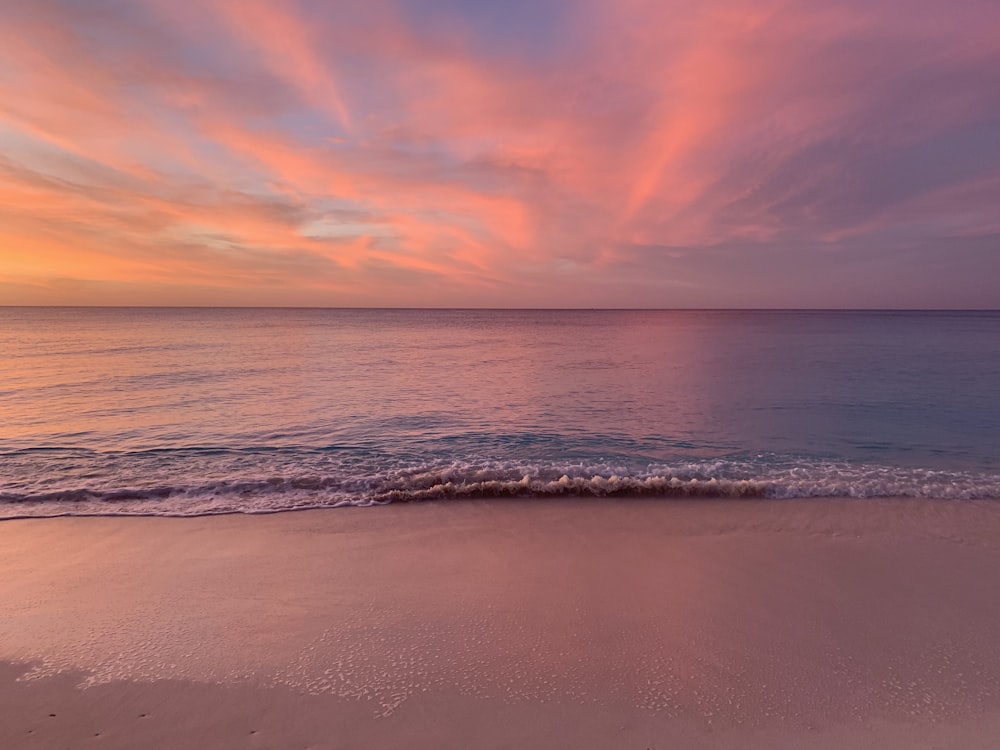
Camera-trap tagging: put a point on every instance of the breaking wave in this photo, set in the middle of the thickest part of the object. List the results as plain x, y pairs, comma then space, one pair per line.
733, 479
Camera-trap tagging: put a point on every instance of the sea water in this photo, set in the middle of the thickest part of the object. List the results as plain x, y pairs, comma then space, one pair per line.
195, 411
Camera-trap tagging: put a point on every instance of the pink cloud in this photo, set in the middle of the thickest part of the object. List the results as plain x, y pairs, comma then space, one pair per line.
375, 159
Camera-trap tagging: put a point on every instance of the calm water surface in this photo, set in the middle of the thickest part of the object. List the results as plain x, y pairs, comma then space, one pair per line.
185, 411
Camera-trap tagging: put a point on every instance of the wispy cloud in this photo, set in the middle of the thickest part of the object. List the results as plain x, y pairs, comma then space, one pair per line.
595, 153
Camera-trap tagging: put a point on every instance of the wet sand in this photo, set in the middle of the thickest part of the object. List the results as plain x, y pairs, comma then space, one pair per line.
578, 623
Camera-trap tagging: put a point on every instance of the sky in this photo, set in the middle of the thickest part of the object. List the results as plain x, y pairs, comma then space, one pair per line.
525, 153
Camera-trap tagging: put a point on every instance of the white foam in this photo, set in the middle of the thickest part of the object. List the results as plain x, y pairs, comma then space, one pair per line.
762, 477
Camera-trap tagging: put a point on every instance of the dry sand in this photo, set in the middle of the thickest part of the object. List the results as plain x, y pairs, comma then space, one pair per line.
522, 624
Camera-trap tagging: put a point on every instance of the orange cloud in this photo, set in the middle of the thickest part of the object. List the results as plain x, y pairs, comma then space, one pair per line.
379, 156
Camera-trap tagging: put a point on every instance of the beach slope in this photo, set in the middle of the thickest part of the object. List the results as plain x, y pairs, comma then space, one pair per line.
625, 623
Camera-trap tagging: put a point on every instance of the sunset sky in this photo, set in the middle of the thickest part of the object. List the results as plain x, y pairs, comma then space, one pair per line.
524, 153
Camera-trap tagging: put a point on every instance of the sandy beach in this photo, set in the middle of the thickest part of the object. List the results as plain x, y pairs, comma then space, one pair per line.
609, 623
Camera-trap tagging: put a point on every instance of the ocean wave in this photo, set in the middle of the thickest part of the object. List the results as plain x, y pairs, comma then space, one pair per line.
723, 479
596, 486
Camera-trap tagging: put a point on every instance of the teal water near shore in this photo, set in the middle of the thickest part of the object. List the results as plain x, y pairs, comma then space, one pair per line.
191, 411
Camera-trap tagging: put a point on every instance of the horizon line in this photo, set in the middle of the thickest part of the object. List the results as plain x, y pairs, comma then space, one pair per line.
503, 309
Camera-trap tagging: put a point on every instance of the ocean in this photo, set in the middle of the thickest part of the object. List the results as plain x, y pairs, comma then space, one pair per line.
175, 412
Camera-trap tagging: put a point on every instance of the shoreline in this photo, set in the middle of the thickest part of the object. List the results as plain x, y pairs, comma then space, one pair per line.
531, 500
597, 622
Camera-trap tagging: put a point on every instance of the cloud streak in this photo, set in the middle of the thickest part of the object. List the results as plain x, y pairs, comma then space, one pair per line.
728, 153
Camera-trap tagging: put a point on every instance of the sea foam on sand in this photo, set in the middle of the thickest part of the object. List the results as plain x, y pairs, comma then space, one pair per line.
509, 623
